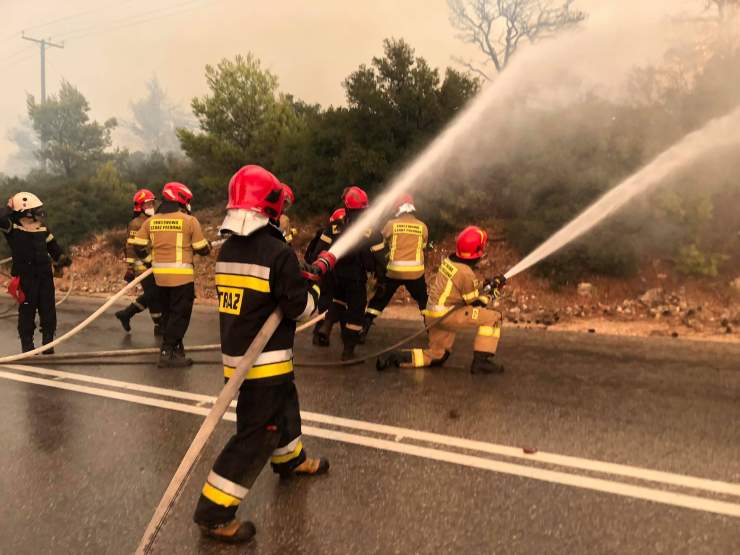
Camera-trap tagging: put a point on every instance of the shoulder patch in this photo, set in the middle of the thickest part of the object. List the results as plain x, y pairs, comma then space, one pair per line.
447, 268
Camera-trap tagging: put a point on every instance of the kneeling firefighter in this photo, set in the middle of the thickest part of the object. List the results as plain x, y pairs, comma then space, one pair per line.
257, 272
173, 236
457, 286
143, 208
405, 237
34, 249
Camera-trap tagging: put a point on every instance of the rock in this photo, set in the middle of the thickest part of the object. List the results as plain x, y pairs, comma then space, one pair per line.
586, 289
653, 297
674, 334
591, 330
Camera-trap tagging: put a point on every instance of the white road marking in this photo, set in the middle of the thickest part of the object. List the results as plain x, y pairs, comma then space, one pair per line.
574, 480
399, 434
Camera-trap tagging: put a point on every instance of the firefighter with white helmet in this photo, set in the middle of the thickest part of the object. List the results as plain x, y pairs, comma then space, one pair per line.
34, 250
143, 208
456, 286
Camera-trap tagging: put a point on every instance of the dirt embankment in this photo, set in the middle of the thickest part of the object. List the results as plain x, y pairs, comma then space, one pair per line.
657, 302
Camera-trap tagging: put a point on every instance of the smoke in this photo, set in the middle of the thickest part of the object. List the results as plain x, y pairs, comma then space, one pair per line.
554, 76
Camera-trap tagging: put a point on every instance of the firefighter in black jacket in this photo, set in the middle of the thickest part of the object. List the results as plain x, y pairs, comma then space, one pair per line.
33, 248
349, 277
143, 208
257, 272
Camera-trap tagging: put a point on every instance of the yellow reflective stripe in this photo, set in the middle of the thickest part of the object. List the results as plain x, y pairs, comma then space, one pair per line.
132, 260
446, 293
489, 331
174, 271
419, 248
219, 497
394, 268
373, 311
353, 327
264, 371
378, 247
147, 259
316, 289
471, 296
435, 313
280, 459
417, 358
178, 249
200, 244
245, 282
325, 238
138, 241
49, 238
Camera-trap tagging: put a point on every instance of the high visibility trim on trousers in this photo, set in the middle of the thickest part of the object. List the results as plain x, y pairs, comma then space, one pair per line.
436, 311
245, 282
265, 371
353, 327
417, 358
285, 454
219, 497
226, 485
489, 331
340, 303
238, 268
373, 311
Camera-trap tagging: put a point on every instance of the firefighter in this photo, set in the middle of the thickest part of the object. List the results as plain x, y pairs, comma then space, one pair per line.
456, 285
173, 235
350, 275
405, 238
257, 272
322, 330
284, 221
143, 209
37, 257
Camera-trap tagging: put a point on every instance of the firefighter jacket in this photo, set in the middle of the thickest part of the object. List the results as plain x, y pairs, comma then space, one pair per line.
255, 274
365, 257
405, 239
287, 231
32, 244
173, 237
455, 284
134, 262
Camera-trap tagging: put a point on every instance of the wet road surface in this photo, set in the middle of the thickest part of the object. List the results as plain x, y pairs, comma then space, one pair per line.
638, 449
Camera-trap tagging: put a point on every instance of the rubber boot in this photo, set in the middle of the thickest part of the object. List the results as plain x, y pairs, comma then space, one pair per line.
366, 325
483, 364
27, 344
170, 357
231, 532
45, 340
309, 467
125, 316
321, 333
179, 354
394, 358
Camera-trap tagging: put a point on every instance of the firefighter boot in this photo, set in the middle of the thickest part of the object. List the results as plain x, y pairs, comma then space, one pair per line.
179, 353
321, 333
172, 357
232, 532
309, 467
366, 325
394, 358
482, 364
27, 344
45, 340
125, 316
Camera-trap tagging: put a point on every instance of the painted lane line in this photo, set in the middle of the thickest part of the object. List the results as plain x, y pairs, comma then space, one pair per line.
681, 480
573, 480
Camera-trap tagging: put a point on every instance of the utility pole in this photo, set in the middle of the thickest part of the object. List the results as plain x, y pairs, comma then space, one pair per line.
43, 44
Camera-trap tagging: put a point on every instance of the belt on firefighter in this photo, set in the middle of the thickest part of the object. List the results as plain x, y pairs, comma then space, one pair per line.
436, 311
177, 268
267, 365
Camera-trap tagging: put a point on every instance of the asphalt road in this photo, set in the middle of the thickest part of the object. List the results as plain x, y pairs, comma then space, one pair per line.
637, 440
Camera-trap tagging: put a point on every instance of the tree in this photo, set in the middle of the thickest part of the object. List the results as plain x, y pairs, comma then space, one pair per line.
70, 142
499, 27
243, 120
156, 119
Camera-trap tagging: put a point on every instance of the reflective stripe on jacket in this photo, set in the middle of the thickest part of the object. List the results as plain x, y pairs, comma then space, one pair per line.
454, 285
405, 240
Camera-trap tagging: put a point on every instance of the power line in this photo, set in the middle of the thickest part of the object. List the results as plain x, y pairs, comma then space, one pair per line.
117, 3
43, 45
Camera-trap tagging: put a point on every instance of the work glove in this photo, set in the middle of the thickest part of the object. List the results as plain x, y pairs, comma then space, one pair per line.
482, 300
323, 264
129, 276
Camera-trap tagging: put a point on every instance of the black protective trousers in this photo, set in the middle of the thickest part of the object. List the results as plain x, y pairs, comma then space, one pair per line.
348, 308
39, 290
417, 288
150, 298
268, 426
177, 307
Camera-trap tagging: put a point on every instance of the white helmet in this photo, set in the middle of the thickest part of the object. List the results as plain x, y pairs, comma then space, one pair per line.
26, 201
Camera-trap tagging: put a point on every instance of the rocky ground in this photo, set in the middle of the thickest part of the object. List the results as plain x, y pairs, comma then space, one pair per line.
655, 303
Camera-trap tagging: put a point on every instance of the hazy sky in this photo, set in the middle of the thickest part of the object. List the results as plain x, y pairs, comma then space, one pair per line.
113, 46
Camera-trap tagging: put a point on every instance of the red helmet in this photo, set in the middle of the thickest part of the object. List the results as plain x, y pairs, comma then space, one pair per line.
471, 243
404, 199
338, 214
354, 198
177, 192
289, 195
254, 188
142, 196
